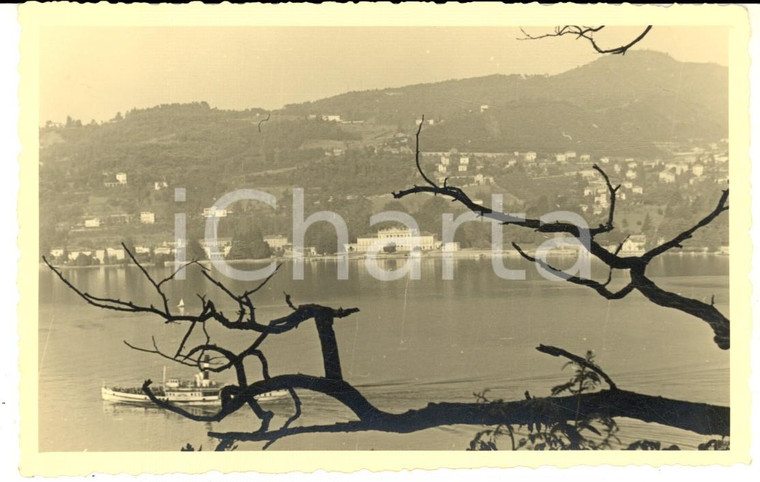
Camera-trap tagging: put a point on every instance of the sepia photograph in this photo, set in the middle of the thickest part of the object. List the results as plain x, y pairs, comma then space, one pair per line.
293, 237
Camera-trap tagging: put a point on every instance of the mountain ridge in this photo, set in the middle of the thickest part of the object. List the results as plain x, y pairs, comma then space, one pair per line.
645, 94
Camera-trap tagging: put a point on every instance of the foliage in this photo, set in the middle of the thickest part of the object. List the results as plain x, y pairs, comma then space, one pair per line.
595, 432
716, 444
195, 250
650, 445
592, 433
85, 260
249, 245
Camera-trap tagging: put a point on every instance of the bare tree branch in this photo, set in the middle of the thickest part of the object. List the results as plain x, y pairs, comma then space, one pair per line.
699, 418
600, 288
554, 351
636, 265
269, 116
680, 238
613, 195
587, 33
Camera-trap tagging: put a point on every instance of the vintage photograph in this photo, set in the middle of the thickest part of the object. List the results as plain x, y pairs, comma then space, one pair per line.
385, 238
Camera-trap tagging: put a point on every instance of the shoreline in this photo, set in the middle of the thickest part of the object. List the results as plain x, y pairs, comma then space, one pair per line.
467, 254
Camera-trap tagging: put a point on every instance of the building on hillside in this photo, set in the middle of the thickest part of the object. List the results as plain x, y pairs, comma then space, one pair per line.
402, 239
147, 217
480, 179
635, 244
450, 247
213, 212
530, 156
667, 177
163, 251
277, 242
115, 253
698, 169
111, 180
216, 249
305, 251
92, 223
602, 201
677, 167
119, 219
75, 253
651, 163
100, 255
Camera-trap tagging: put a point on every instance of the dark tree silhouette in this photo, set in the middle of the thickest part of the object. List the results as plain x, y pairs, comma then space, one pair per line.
588, 33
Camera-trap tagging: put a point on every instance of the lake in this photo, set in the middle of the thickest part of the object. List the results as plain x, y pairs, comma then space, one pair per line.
413, 342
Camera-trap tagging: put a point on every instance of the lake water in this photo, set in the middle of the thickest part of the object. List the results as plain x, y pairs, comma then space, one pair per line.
413, 342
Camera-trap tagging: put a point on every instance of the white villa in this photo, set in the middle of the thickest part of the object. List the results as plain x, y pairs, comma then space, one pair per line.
92, 223
276, 242
212, 212
403, 239
221, 248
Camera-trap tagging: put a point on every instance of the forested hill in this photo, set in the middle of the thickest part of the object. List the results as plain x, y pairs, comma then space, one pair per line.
616, 104
346, 149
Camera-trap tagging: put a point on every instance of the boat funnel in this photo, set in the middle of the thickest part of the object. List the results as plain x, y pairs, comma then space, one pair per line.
205, 366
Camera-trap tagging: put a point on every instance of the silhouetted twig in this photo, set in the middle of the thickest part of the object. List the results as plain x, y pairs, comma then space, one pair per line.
587, 33
635, 265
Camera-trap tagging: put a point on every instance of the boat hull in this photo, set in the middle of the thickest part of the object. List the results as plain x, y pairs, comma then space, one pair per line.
177, 398
111, 395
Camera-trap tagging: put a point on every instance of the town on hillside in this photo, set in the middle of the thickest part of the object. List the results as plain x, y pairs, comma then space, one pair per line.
689, 174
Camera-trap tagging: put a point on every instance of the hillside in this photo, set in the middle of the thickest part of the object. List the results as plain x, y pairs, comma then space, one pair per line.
615, 106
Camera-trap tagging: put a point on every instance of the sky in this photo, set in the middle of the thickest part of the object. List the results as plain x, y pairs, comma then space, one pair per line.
94, 72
